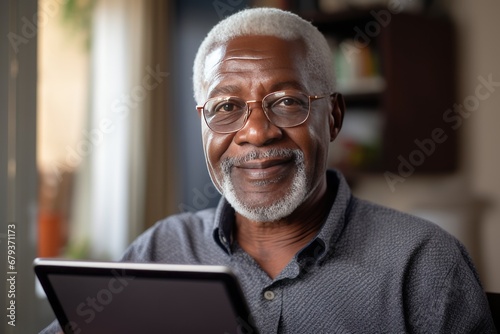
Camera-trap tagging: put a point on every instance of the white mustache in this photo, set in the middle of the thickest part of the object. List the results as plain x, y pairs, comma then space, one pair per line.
285, 153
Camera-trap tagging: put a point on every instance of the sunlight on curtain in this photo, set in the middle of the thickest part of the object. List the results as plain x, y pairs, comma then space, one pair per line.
62, 94
109, 200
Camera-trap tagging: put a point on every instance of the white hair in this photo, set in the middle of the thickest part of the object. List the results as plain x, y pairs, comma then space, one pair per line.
269, 22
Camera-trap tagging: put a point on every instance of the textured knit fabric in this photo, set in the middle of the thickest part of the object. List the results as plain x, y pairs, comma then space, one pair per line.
370, 269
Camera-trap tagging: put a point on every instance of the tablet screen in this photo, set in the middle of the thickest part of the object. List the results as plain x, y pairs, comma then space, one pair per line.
117, 300
139, 305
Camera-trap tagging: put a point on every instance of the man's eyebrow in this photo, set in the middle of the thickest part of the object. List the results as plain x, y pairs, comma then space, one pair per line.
234, 90
225, 90
287, 85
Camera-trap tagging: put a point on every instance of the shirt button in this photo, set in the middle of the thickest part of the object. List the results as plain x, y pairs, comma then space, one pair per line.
269, 295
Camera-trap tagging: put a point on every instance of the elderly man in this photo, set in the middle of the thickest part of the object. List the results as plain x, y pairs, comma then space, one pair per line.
311, 258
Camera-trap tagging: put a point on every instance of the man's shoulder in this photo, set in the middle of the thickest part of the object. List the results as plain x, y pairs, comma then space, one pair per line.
383, 238
373, 228
177, 238
382, 225
188, 220
383, 217
189, 224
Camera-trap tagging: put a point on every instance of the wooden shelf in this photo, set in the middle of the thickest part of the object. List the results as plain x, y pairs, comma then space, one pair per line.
415, 87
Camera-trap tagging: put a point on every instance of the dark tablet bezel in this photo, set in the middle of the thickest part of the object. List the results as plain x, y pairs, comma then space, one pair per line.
45, 267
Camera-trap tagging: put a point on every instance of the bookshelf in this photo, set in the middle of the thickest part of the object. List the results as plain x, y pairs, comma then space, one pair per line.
397, 74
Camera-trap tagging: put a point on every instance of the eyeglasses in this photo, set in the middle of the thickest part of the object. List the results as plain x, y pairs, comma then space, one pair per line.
284, 109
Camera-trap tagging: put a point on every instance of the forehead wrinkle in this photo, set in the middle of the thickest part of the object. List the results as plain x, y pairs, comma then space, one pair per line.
220, 55
247, 52
246, 57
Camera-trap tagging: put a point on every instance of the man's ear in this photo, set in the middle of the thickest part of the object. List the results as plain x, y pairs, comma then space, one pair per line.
337, 115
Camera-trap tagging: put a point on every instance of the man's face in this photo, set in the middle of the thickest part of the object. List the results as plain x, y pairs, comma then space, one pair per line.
264, 171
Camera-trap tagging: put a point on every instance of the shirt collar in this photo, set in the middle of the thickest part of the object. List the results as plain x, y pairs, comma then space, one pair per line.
223, 225
322, 244
337, 218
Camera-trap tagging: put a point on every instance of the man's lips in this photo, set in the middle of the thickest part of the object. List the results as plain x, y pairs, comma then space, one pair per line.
263, 163
263, 171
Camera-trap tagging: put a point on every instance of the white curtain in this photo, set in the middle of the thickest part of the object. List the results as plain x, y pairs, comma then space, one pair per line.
109, 203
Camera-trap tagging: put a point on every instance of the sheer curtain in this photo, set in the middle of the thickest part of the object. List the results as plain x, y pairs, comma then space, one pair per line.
126, 128
161, 195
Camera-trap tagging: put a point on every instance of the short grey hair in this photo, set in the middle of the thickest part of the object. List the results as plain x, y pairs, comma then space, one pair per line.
269, 22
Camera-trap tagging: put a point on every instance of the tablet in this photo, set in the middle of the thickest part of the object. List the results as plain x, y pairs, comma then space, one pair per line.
117, 297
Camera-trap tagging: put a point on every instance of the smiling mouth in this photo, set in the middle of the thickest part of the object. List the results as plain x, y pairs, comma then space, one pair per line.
264, 172
264, 163
262, 168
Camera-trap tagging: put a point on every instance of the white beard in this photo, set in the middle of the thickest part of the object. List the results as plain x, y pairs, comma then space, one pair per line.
278, 209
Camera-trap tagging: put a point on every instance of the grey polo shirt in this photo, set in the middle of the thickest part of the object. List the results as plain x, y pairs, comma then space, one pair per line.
370, 269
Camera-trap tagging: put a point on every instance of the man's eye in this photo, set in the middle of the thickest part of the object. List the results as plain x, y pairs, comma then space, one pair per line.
226, 107
289, 102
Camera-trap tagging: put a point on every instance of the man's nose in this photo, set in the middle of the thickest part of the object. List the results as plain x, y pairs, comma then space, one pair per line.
258, 130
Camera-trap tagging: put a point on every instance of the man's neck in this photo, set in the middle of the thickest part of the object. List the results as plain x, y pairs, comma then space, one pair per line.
274, 244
